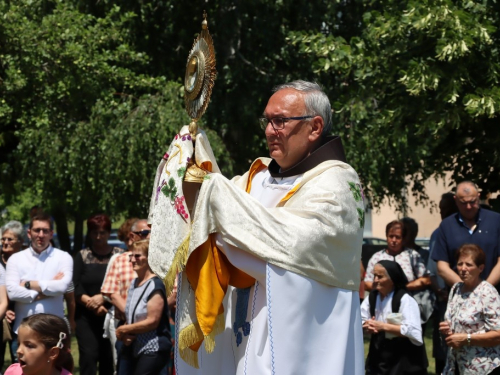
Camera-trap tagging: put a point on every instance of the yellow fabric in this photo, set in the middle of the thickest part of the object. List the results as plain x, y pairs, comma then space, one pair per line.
209, 273
254, 169
289, 194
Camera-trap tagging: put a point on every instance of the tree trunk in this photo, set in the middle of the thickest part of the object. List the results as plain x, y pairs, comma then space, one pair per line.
78, 237
61, 222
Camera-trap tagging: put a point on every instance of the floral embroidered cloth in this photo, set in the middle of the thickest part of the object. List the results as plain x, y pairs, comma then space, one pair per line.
168, 215
474, 312
404, 259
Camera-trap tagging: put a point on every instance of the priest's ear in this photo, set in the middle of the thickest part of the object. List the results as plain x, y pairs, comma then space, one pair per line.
317, 125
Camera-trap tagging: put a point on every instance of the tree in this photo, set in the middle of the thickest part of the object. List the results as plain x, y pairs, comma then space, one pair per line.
417, 90
85, 128
414, 86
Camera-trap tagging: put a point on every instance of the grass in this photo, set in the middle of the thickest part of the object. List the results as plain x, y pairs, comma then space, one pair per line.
427, 339
76, 356
428, 347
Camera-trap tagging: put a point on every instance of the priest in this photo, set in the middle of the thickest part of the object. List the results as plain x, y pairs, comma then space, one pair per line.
268, 275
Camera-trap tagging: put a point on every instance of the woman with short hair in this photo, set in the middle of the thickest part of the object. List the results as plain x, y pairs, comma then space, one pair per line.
12, 240
12, 235
147, 331
472, 320
409, 260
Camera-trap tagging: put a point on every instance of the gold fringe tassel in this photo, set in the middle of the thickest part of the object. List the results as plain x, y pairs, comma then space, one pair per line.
178, 264
190, 357
187, 337
192, 334
218, 328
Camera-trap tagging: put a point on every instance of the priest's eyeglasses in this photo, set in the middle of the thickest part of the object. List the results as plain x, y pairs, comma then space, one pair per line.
278, 123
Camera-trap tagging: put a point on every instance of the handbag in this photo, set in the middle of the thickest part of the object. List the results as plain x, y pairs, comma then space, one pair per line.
7, 331
425, 298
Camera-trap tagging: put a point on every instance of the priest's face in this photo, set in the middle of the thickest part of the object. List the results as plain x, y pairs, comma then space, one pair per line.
298, 138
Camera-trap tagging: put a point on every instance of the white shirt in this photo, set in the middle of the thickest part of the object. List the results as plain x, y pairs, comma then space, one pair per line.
410, 327
28, 265
2, 276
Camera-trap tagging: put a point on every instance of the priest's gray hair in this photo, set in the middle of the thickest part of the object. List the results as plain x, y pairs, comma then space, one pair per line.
15, 227
315, 99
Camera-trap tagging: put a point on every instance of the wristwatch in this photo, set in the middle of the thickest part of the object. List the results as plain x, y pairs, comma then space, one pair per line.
468, 339
27, 285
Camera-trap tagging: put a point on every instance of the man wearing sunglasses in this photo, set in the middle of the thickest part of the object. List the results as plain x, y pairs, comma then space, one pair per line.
291, 230
38, 277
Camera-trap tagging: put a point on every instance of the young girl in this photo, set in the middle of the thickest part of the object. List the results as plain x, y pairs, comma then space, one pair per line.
43, 347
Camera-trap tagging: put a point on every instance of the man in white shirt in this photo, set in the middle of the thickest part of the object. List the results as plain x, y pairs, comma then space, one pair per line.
38, 277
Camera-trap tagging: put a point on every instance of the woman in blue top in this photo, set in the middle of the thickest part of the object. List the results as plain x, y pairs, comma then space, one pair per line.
146, 335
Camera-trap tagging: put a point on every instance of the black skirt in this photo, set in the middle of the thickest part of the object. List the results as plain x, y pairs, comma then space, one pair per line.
397, 356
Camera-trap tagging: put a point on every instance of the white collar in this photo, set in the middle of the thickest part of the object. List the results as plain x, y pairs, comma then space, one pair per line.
47, 251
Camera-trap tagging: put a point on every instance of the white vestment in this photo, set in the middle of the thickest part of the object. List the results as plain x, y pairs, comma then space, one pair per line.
285, 323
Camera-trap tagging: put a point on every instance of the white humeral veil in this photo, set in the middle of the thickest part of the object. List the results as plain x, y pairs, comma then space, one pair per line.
303, 311
297, 325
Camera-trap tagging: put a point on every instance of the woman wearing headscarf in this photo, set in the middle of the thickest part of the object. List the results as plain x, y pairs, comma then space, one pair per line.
392, 317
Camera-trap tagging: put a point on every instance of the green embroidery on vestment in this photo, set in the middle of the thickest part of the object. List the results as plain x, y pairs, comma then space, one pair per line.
356, 190
181, 172
170, 190
361, 214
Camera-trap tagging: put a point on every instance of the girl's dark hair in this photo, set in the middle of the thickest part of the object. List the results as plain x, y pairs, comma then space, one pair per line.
48, 327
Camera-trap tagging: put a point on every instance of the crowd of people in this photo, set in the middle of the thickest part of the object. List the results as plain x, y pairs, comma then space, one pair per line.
274, 274
115, 305
461, 274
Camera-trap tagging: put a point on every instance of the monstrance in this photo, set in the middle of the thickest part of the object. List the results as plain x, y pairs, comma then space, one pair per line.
198, 83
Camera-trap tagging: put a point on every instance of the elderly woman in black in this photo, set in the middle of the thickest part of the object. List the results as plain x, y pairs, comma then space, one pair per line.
392, 317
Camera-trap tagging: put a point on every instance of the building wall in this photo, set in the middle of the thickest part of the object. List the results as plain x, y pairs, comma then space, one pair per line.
427, 221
